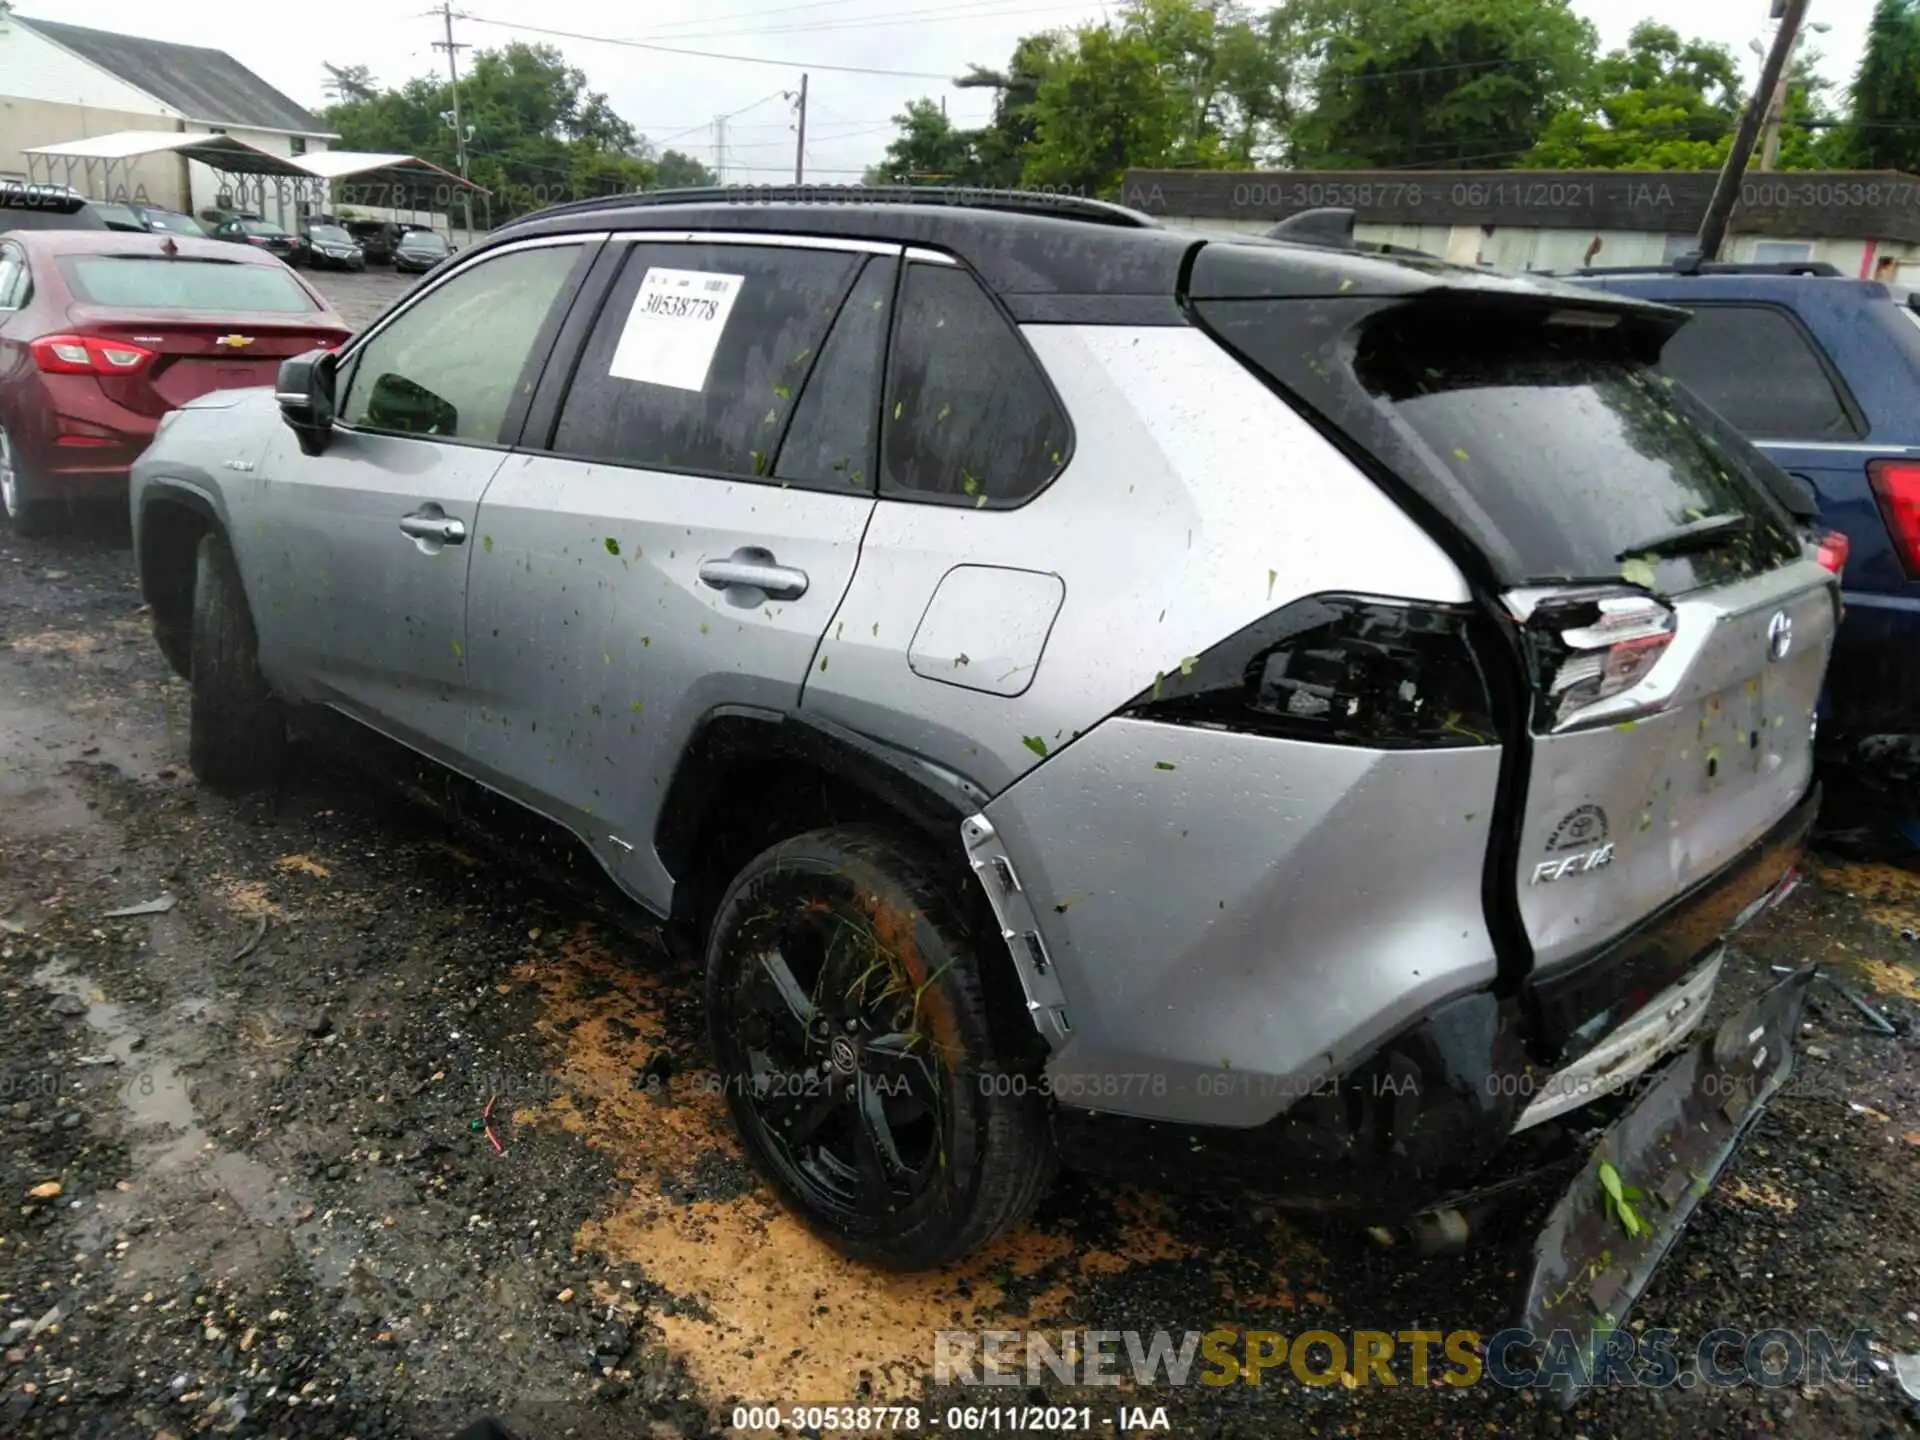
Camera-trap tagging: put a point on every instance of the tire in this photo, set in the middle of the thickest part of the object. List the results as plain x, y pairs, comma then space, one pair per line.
28, 515
862, 1072
236, 732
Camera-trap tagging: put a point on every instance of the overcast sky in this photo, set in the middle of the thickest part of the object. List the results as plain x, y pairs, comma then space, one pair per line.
673, 98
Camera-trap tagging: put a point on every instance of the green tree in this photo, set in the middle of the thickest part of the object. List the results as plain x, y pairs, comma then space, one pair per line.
1000, 146
1109, 107
540, 134
928, 149
1883, 119
1438, 83
348, 82
1662, 103
675, 171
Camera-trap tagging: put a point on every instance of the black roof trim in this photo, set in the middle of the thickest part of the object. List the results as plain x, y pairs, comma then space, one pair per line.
1012, 202
1041, 250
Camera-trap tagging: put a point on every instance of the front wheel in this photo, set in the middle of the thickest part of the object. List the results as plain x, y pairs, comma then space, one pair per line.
236, 732
854, 1046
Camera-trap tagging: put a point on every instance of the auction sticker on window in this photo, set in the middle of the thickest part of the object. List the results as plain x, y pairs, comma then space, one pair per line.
674, 327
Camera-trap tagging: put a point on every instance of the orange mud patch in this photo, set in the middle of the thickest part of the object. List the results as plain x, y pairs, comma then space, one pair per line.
1743, 1193
786, 1318
302, 864
250, 898
74, 642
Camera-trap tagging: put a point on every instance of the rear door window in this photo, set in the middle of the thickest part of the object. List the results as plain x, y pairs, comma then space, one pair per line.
137, 282
1582, 458
1760, 369
698, 355
969, 418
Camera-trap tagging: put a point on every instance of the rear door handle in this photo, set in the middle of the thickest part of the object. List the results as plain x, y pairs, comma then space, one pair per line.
430, 524
752, 568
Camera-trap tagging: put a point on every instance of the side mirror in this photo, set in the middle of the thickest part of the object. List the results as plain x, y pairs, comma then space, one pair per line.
305, 393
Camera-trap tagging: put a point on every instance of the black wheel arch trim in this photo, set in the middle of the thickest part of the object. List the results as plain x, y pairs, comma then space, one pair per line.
931, 797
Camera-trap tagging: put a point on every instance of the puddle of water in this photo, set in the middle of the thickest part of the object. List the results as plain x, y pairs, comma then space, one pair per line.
154, 1097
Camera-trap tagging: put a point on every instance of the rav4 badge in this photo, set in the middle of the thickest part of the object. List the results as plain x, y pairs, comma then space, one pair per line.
1581, 864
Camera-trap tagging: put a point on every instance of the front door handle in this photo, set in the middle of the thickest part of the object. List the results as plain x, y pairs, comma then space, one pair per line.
752, 568
432, 524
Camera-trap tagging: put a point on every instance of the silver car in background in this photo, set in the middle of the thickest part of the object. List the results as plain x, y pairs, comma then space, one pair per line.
1098, 693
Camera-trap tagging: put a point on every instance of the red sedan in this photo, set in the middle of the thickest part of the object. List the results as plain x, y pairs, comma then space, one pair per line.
104, 332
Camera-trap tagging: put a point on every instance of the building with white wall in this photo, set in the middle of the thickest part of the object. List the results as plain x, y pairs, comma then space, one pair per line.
1563, 219
62, 82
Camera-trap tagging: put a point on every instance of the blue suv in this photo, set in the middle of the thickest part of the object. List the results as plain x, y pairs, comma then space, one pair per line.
1822, 373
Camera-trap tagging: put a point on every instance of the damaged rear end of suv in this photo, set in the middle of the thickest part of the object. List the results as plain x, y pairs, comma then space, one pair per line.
1450, 866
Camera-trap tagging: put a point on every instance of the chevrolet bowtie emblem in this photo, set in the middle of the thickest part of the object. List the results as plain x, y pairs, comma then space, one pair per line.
234, 340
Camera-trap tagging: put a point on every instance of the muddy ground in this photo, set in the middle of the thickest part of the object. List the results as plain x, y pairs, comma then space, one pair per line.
280, 1208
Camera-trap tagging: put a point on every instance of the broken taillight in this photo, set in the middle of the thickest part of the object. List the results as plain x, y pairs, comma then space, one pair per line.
1896, 485
88, 355
1589, 648
1338, 669
1831, 548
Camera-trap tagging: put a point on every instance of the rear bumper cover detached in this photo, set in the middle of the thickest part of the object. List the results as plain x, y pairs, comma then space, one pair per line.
1430, 1117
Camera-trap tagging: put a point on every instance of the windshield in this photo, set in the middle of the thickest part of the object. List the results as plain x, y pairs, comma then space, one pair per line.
118, 217
330, 234
259, 227
423, 240
139, 282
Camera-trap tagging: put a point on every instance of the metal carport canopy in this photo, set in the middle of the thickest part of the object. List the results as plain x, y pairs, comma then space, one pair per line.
366, 177
216, 152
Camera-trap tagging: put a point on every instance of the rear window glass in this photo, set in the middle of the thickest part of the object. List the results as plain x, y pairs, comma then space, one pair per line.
135, 283
1582, 458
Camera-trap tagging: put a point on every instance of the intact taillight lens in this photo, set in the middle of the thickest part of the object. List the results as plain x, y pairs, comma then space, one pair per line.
88, 355
1589, 648
1339, 669
1896, 485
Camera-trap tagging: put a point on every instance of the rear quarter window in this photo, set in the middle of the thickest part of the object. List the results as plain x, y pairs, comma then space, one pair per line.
1759, 368
129, 282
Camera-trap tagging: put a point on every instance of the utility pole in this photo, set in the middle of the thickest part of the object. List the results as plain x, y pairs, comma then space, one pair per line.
459, 130
720, 148
1777, 111
800, 147
1713, 229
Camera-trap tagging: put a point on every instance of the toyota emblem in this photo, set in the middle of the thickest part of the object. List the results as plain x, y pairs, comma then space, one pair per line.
1779, 636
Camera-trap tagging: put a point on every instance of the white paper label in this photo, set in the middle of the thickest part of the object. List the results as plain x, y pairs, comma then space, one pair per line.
674, 327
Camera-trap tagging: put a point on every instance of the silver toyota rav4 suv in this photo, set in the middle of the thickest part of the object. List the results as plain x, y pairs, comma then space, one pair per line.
1099, 693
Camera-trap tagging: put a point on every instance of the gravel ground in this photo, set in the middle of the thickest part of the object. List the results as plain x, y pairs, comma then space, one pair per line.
279, 1209
363, 296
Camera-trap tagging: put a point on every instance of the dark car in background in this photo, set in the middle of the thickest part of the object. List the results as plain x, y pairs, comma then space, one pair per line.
119, 216
331, 247
158, 218
105, 332
420, 250
262, 235
46, 207
376, 238
1821, 372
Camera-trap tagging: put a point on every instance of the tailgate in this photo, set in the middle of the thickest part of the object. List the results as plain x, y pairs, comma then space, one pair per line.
1650, 792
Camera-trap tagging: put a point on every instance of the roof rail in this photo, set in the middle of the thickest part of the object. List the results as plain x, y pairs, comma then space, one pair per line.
1694, 265
1020, 202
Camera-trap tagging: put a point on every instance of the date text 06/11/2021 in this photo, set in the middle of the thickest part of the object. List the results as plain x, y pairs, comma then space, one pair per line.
872, 1419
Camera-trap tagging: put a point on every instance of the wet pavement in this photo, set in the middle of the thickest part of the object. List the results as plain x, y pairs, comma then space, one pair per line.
361, 297
368, 1129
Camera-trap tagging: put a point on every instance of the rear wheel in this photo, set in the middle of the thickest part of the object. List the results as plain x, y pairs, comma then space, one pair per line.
27, 514
853, 1038
236, 732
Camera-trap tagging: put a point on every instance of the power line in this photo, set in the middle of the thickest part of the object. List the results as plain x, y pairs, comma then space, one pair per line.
935, 15
709, 54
